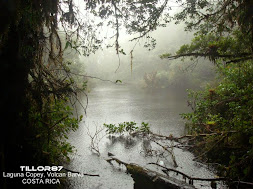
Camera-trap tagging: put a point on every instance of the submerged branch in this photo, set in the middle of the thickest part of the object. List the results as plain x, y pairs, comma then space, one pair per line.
200, 179
149, 178
167, 150
187, 176
177, 139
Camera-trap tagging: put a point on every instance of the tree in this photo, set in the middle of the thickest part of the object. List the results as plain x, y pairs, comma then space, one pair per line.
224, 34
37, 81
224, 30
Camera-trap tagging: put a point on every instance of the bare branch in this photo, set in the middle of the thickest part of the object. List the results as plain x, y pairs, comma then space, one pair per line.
92, 175
187, 176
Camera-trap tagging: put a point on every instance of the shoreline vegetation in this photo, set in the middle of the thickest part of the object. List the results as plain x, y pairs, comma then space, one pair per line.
222, 116
192, 142
41, 43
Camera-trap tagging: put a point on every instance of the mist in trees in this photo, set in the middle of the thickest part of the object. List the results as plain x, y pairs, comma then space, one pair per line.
139, 63
49, 50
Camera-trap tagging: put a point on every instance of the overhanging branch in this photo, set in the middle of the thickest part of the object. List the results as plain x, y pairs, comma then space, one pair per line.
233, 57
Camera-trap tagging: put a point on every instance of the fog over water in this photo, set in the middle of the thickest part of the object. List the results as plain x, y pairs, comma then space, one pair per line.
105, 62
151, 90
119, 103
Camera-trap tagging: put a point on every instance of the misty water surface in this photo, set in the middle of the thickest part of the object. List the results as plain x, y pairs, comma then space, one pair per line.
119, 103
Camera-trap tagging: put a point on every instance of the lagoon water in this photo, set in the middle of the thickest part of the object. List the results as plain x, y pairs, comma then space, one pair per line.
116, 104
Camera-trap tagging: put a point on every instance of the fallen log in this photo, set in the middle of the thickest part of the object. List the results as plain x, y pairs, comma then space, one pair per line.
148, 179
212, 180
191, 179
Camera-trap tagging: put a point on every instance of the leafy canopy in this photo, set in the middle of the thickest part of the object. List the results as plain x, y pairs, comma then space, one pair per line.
224, 30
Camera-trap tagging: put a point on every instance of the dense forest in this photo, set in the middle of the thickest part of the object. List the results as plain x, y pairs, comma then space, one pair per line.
40, 43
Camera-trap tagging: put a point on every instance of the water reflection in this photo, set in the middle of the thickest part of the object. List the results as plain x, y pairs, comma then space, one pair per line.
127, 141
117, 104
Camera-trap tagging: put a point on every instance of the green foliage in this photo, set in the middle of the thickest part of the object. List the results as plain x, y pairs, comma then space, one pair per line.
144, 127
223, 30
137, 17
223, 111
165, 55
118, 81
126, 127
220, 16
68, 43
226, 110
122, 51
50, 129
41, 113
234, 44
73, 45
